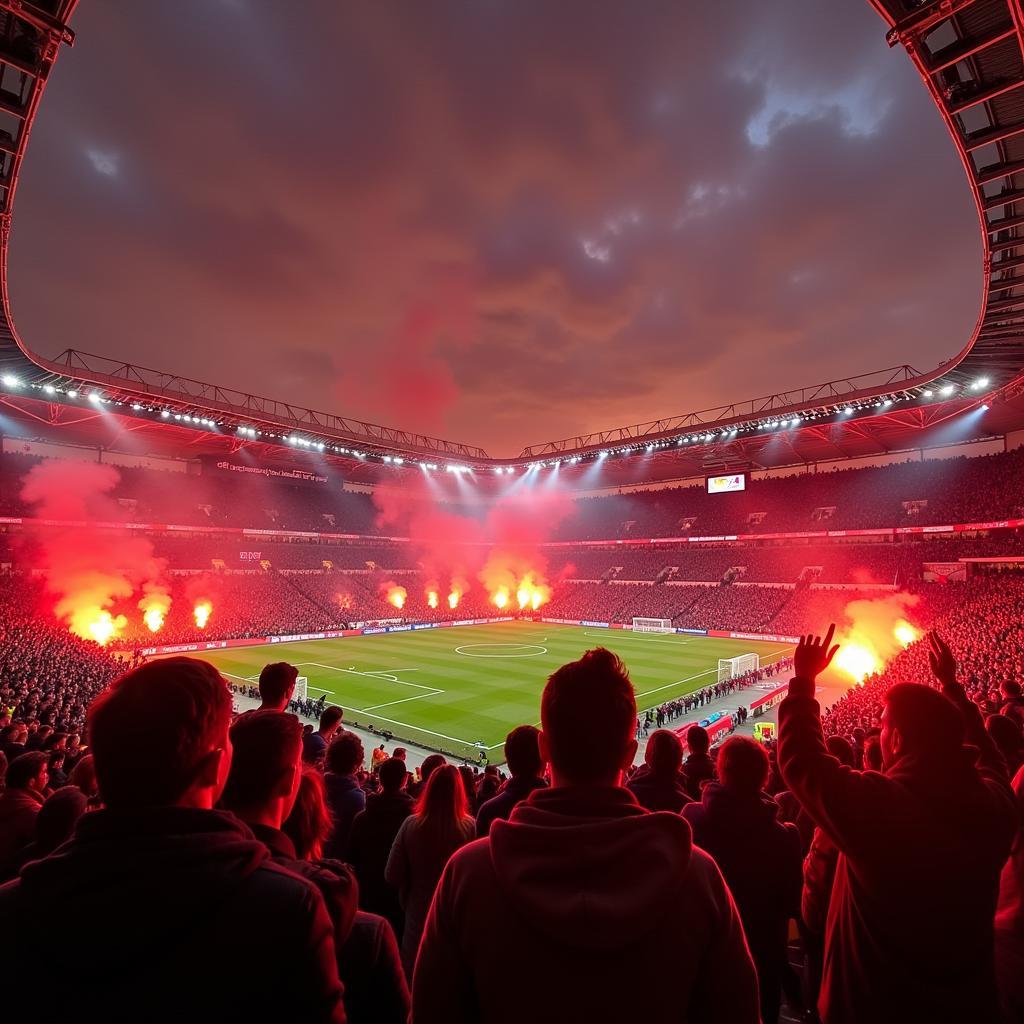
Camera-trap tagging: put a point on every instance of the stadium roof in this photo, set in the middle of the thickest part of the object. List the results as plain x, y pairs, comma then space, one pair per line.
969, 55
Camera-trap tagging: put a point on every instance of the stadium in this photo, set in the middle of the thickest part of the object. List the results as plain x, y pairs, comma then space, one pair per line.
432, 599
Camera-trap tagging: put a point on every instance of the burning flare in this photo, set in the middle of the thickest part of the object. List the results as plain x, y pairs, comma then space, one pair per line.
202, 612
906, 633
432, 599
95, 624
154, 605
500, 597
453, 599
396, 595
858, 660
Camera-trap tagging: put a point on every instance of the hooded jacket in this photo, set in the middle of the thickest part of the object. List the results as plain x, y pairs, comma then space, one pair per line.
172, 902
589, 897
500, 805
909, 933
657, 791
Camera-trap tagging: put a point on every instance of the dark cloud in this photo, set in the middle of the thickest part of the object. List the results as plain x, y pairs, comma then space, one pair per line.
503, 221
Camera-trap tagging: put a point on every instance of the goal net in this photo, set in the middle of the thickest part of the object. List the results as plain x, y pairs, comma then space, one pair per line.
652, 625
730, 668
301, 691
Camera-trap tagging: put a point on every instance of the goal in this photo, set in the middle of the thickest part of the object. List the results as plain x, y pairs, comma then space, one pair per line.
652, 625
301, 691
730, 668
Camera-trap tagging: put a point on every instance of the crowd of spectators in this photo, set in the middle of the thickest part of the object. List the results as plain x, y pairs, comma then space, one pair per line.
178, 830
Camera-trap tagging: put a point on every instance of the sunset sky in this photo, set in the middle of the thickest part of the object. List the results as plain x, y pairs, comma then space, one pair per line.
500, 221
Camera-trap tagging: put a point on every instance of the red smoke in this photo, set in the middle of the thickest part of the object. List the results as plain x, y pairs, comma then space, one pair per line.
87, 569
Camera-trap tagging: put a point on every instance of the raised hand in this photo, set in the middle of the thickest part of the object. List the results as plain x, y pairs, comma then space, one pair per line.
813, 655
941, 659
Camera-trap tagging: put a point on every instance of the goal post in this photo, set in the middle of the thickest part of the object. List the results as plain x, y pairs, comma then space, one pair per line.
642, 625
730, 668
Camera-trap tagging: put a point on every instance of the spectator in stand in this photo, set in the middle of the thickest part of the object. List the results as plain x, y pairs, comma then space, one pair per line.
371, 837
737, 823
658, 783
1006, 735
376, 991
700, 766
430, 764
83, 778
559, 883
522, 755
277, 684
378, 757
54, 823
910, 925
314, 744
27, 780
425, 841
163, 883
345, 796
1009, 925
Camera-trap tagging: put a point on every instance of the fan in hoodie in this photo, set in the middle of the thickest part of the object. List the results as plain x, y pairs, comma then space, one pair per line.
590, 894
163, 886
910, 927
738, 824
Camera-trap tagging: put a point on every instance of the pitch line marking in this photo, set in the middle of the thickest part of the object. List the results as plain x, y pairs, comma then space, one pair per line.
387, 704
382, 674
464, 651
625, 636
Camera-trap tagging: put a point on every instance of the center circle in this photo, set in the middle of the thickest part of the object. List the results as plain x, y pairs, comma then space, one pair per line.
533, 650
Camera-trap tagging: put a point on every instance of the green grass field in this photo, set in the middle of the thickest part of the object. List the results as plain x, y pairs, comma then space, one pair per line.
454, 688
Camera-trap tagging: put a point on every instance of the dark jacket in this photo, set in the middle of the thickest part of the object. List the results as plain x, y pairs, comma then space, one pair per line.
346, 799
742, 832
909, 934
336, 883
371, 969
369, 845
591, 894
183, 917
698, 769
658, 792
19, 809
500, 805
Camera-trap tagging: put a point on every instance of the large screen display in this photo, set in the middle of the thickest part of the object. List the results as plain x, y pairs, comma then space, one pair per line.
727, 484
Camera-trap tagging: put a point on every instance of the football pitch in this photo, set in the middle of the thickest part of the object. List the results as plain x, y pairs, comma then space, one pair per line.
459, 689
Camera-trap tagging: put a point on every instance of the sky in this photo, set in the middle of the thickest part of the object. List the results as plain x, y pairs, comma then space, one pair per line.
498, 221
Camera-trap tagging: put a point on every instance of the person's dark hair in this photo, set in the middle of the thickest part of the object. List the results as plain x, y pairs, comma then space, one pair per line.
53, 739
928, 722
1010, 688
25, 767
743, 764
430, 765
56, 819
841, 749
151, 728
873, 754
56, 757
345, 754
309, 824
442, 805
277, 680
267, 747
83, 776
331, 716
401, 753
697, 740
392, 774
588, 713
522, 752
664, 752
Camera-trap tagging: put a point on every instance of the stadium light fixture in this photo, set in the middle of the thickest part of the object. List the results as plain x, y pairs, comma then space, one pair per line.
847, 411
49, 389
984, 408
946, 390
163, 415
887, 403
11, 382
928, 393
94, 398
981, 382
72, 394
